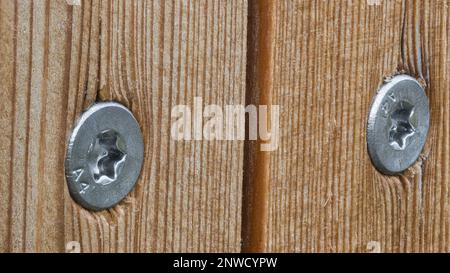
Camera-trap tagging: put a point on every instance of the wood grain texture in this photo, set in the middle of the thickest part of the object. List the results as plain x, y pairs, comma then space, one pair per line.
325, 195
34, 70
57, 59
319, 191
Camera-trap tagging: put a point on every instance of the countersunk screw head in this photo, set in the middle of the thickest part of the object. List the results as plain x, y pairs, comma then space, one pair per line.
398, 124
104, 156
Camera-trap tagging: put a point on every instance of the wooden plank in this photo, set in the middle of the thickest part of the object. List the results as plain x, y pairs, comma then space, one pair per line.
325, 195
57, 59
34, 70
319, 192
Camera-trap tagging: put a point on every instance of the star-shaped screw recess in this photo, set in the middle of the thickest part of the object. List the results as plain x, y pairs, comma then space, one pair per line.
401, 128
109, 157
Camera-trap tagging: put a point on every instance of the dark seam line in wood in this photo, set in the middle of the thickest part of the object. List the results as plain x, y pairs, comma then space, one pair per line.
259, 82
99, 56
402, 38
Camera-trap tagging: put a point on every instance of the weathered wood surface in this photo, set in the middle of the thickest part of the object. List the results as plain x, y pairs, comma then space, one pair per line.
320, 191
325, 195
57, 59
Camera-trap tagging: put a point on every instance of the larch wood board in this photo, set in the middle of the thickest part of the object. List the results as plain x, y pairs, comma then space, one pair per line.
321, 61
57, 59
330, 58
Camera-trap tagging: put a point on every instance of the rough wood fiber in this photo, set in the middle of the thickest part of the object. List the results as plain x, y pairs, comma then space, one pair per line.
325, 195
57, 59
33, 121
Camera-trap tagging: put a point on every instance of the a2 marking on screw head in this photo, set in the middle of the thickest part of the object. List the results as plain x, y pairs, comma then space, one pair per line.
398, 124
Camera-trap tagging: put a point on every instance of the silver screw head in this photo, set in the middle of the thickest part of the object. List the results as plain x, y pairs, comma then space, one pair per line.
104, 156
398, 124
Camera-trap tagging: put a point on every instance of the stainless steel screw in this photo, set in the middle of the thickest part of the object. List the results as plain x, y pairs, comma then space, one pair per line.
104, 156
398, 124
